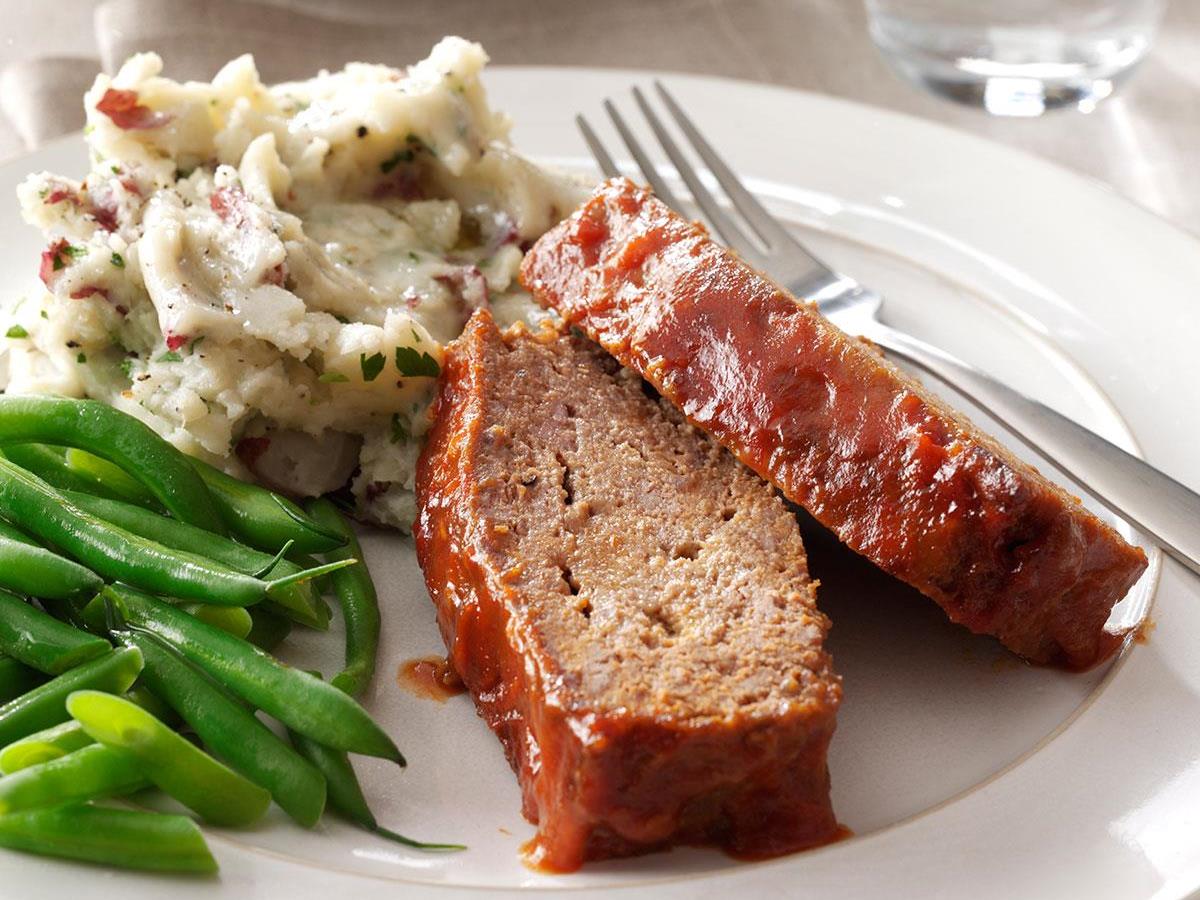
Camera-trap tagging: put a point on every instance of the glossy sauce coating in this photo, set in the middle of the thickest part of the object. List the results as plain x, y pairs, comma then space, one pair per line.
891, 470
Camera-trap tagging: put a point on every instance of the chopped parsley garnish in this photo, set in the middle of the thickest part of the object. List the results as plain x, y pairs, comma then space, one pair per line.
400, 432
371, 365
81, 358
117, 260
127, 367
332, 378
415, 364
414, 256
417, 144
170, 356
395, 159
16, 332
45, 315
63, 249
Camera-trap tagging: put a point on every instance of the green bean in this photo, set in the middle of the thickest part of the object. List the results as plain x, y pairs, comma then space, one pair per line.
119, 438
295, 698
268, 630
300, 602
16, 678
41, 641
345, 793
322, 585
113, 837
68, 611
43, 746
144, 697
45, 705
35, 571
228, 728
304, 608
114, 552
230, 619
13, 533
261, 518
121, 555
116, 481
360, 604
209, 788
84, 774
50, 465
59, 740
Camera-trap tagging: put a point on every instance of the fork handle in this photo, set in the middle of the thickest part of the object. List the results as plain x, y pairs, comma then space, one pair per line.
1148, 499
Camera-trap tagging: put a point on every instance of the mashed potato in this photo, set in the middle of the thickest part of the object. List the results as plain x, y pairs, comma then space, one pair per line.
267, 275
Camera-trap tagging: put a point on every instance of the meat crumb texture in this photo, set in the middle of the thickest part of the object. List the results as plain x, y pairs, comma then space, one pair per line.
895, 473
629, 607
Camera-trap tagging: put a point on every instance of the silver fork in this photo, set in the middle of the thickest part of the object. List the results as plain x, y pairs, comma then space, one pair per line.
1147, 498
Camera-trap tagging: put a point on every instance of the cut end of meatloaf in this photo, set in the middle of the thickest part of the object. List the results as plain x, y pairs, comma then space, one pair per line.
629, 607
870, 453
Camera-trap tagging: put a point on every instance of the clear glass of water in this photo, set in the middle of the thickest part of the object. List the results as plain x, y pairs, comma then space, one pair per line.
1016, 57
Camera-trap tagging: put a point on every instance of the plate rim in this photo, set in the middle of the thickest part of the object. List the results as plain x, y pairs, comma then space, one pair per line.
903, 120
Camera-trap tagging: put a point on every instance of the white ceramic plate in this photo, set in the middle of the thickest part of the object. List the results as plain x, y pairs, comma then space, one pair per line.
961, 771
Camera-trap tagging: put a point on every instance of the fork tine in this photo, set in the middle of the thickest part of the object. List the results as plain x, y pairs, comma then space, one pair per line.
763, 223
603, 160
665, 194
725, 226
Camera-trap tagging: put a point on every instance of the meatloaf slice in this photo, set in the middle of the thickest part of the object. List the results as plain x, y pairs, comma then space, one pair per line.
899, 476
629, 607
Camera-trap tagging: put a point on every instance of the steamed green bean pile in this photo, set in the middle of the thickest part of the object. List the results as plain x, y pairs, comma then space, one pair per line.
141, 595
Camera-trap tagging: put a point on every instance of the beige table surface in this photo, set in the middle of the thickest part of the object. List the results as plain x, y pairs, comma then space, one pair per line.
1144, 142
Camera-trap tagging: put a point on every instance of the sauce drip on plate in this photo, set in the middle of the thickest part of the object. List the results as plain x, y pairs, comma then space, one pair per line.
431, 677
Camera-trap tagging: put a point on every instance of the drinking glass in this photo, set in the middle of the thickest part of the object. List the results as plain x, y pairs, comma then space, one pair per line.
1016, 57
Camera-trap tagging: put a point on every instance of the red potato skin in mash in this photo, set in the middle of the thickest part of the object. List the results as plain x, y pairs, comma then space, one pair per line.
125, 111
896, 474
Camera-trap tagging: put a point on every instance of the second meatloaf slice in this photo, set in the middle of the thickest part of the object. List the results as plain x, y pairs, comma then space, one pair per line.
897, 474
629, 607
